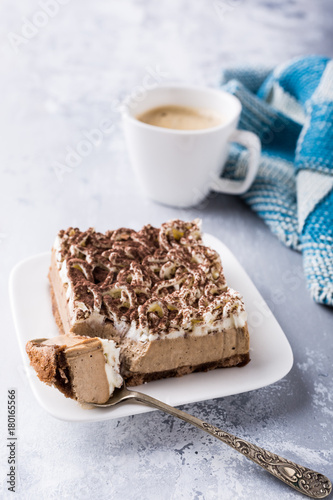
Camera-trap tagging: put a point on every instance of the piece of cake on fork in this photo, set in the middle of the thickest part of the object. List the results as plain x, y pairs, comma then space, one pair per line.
159, 293
82, 368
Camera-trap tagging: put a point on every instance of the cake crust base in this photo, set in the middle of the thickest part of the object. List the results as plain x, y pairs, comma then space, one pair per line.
51, 366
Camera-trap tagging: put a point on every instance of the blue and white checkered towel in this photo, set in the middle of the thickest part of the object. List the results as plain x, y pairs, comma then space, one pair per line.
291, 109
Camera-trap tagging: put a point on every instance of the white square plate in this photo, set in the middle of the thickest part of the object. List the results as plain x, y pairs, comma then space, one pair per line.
270, 352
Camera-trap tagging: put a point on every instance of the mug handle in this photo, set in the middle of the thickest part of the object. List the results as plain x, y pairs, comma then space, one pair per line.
252, 143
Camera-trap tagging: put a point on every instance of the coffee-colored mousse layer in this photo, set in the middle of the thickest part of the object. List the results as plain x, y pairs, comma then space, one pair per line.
161, 358
74, 365
141, 378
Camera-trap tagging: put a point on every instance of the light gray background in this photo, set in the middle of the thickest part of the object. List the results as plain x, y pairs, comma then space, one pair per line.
64, 81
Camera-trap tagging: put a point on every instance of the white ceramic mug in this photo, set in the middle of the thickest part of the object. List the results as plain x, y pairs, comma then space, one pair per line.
180, 167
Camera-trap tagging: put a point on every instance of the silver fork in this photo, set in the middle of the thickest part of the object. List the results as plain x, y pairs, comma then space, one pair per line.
306, 481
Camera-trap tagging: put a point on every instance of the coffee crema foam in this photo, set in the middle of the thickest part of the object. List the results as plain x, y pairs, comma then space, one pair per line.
181, 117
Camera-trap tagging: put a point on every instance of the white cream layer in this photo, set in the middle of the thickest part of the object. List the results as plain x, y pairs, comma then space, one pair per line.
112, 365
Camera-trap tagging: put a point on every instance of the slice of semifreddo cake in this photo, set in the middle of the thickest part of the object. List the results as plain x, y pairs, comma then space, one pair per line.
82, 368
159, 293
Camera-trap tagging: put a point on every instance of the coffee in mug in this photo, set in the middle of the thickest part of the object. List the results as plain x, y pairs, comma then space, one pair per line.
181, 117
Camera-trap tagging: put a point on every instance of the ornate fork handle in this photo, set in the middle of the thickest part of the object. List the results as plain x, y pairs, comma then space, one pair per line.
302, 479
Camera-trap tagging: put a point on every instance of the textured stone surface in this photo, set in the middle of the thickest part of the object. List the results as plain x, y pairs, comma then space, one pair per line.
63, 82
